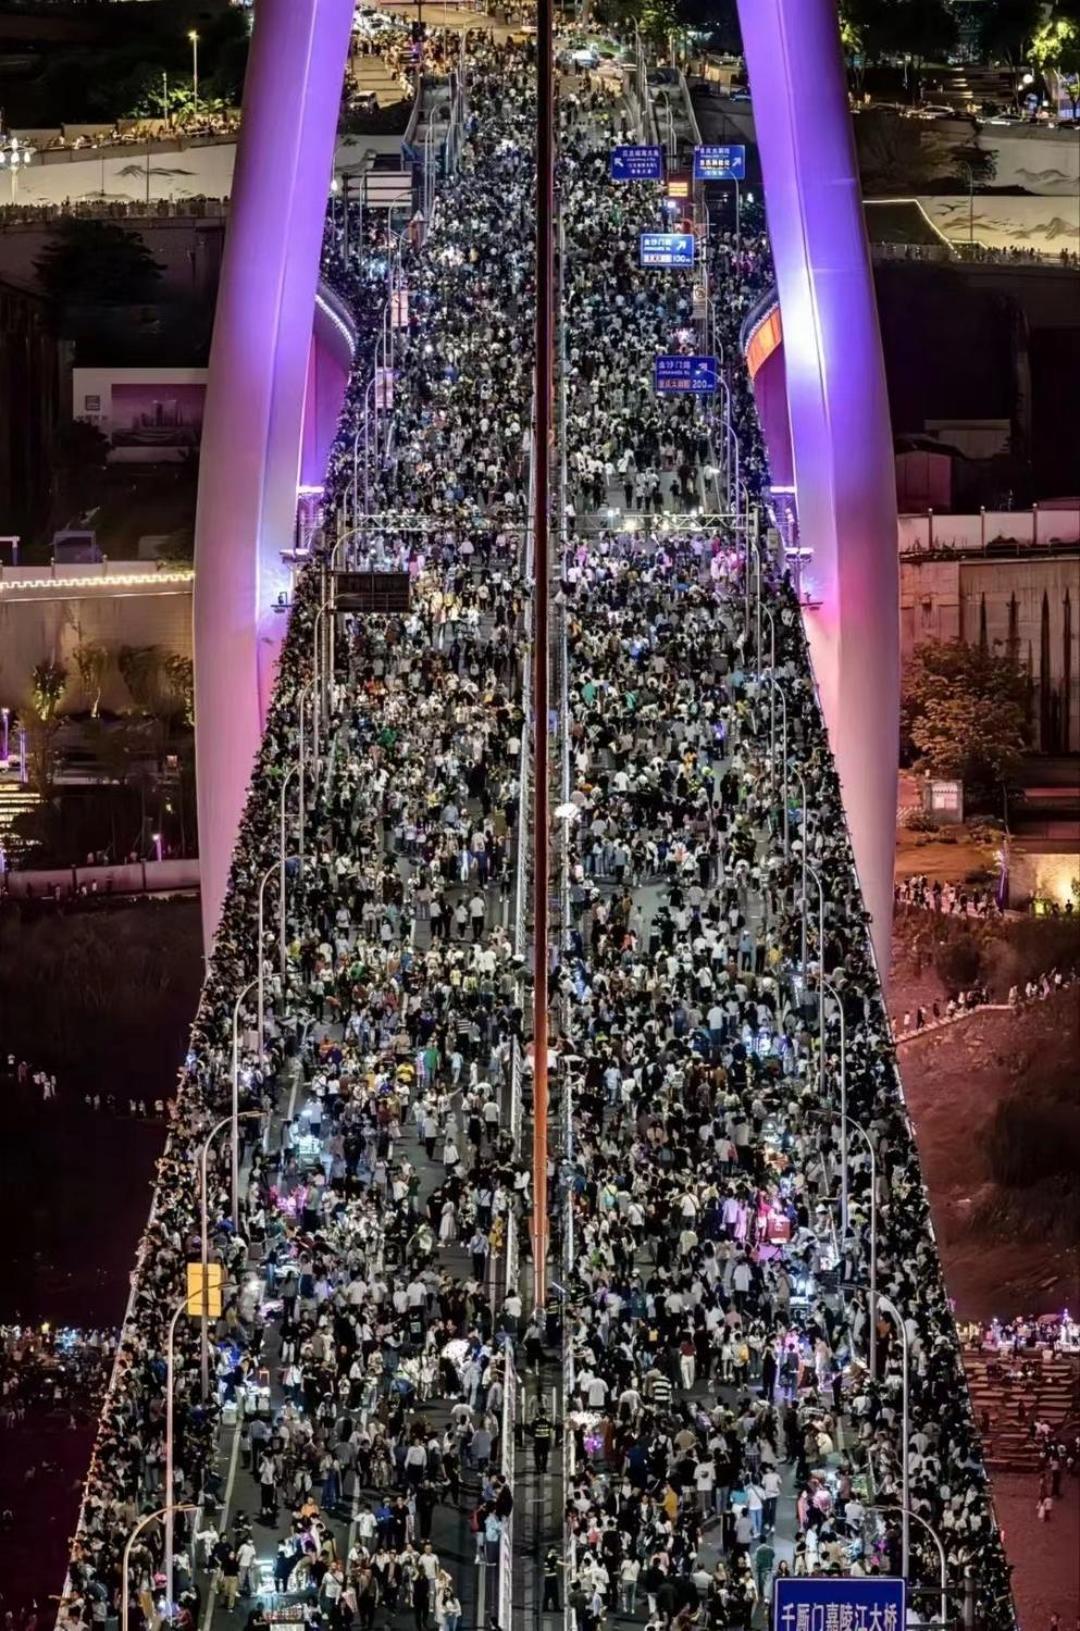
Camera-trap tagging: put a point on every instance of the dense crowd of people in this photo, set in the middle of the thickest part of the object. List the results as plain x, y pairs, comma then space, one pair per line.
44, 1370
718, 1360
366, 1301
112, 209
952, 899
720, 1403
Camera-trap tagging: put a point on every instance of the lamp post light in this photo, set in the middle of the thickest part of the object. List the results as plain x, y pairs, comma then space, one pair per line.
13, 155
204, 1240
971, 199
316, 690
777, 690
286, 779
235, 1117
890, 1308
170, 1508
943, 1567
827, 985
194, 38
865, 1136
753, 545
301, 701
804, 818
812, 872
857, 1127
125, 1590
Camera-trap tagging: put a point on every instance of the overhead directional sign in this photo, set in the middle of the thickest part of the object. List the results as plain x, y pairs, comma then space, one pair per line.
666, 249
675, 373
637, 164
720, 163
385, 592
873, 1603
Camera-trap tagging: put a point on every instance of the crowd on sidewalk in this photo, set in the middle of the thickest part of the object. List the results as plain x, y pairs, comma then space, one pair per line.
362, 1271
953, 899
45, 1370
716, 1304
720, 1340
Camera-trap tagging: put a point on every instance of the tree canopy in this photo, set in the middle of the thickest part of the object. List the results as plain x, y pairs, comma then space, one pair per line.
87, 262
964, 713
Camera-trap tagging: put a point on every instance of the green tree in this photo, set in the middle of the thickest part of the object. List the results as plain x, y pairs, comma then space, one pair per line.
79, 445
87, 262
1055, 49
923, 30
92, 659
1006, 28
47, 688
143, 671
898, 155
180, 683
963, 712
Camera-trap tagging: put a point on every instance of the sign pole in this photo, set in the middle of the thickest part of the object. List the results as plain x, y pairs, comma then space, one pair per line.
545, 277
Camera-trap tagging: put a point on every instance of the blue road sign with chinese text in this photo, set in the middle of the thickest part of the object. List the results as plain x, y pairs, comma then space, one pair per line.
874, 1603
637, 164
720, 163
666, 249
677, 373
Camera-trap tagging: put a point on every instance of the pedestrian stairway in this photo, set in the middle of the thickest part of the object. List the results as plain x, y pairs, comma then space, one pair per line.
373, 77
1009, 1393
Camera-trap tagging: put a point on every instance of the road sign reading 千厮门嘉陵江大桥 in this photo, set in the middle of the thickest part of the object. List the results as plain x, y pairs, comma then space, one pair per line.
873, 1603
719, 163
675, 373
637, 164
666, 249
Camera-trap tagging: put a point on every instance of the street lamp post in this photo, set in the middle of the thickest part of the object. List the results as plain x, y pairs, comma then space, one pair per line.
857, 1127
971, 199
943, 1567
804, 818
316, 689
204, 1241
301, 700
286, 779
170, 1508
194, 38
777, 690
235, 1117
893, 1312
863, 1134
125, 1589
828, 986
261, 976
812, 872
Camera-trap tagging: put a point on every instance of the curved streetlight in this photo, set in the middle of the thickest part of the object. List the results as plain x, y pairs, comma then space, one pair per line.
890, 1308
777, 690
805, 815
857, 1127
125, 1589
316, 683
204, 1241
286, 779
829, 986
812, 872
235, 1116
943, 1585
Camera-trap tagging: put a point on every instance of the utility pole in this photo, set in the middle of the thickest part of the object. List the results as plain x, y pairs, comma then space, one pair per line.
545, 278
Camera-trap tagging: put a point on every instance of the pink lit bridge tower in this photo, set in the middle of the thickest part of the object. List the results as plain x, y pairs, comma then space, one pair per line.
277, 381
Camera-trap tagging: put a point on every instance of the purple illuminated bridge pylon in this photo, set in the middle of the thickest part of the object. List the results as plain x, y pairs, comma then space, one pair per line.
837, 409
838, 414
260, 376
